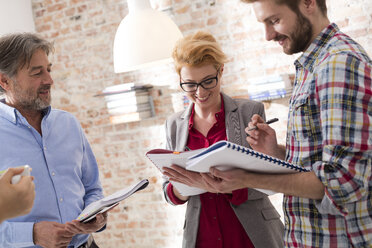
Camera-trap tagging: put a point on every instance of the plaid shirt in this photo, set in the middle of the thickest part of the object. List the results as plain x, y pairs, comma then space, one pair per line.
330, 132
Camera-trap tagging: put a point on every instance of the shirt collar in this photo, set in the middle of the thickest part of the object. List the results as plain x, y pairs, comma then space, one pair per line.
8, 112
13, 115
220, 115
308, 58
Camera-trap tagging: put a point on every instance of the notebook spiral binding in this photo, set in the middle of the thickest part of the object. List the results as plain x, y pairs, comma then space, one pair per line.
265, 157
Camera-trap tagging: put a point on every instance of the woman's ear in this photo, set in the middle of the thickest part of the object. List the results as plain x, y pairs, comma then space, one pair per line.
221, 69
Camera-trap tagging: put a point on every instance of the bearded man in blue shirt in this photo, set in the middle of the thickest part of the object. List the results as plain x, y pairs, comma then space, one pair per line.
52, 142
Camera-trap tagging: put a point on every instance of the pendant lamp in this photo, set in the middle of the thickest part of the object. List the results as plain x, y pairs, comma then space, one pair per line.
145, 37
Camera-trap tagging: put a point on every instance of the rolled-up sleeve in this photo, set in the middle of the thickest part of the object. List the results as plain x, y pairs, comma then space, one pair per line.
346, 116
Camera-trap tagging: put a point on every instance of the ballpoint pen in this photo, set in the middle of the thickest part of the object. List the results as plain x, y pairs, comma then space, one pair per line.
267, 122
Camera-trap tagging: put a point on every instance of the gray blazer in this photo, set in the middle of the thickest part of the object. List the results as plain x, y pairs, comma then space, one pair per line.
257, 215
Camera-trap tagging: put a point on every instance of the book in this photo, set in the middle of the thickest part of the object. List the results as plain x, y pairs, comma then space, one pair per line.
130, 117
223, 155
128, 101
165, 158
130, 109
110, 201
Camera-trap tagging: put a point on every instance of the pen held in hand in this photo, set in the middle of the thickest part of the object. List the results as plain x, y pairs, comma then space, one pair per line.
268, 122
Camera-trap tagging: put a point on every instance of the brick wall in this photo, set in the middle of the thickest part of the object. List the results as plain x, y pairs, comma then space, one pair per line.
83, 32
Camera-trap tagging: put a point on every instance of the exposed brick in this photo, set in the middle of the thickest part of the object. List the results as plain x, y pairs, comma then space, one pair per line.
82, 8
56, 7
70, 12
212, 21
183, 10
40, 13
83, 32
44, 28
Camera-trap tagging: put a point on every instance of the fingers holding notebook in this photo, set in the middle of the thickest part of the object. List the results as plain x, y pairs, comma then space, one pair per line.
226, 181
190, 178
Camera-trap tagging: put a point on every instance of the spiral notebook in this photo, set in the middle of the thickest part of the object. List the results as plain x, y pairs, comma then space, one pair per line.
225, 155
165, 158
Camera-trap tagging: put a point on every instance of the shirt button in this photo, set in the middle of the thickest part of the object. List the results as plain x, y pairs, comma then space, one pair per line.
61, 199
219, 239
214, 217
53, 174
44, 147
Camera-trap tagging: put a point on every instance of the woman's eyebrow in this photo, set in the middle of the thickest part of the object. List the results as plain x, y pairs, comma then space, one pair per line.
193, 81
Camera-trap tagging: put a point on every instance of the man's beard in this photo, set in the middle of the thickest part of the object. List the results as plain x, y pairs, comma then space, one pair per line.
28, 100
300, 38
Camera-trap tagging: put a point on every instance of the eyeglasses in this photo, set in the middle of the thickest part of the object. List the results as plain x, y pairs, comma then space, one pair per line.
207, 84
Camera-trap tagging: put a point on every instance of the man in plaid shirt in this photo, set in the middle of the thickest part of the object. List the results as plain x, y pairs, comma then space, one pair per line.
329, 130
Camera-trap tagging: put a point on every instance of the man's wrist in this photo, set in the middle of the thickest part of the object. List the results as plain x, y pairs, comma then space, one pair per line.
3, 211
280, 152
34, 236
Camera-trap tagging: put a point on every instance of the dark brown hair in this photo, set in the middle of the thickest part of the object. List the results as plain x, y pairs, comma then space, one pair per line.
293, 4
16, 51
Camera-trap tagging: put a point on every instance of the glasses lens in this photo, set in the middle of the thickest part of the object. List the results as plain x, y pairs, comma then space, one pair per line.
188, 87
209, 83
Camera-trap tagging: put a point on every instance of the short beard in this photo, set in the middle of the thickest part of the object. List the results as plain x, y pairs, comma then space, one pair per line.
27, 101
301, 37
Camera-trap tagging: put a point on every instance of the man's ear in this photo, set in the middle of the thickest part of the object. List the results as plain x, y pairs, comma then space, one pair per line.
308, 6
4, 81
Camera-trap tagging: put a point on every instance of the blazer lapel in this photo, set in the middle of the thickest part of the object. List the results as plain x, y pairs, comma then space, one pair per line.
233, 127
183, 129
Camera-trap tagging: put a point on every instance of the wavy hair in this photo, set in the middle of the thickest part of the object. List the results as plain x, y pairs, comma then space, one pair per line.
198, 49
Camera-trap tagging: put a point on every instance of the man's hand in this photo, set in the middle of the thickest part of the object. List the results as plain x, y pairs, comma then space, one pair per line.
92, 226
226, 181
263, 139
16, 199
190, 178
51, 235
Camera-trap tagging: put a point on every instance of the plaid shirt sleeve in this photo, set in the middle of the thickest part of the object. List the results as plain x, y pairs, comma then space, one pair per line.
344, 93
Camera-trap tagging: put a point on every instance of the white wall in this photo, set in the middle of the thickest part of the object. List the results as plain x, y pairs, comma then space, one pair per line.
16, 16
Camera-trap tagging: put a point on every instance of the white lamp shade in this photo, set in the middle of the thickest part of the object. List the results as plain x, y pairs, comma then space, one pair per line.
16, 16
144, 37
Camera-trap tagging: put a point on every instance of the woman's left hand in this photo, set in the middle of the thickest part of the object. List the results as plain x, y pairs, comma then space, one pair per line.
190, 178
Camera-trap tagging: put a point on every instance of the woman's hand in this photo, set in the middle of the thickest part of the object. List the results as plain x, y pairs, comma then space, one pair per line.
194, 179
226, 181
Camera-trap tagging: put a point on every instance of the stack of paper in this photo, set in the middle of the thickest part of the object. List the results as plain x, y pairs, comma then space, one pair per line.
110, 201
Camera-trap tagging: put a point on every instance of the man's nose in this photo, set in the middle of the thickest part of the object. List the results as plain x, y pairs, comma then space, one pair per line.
47, 79
269, 32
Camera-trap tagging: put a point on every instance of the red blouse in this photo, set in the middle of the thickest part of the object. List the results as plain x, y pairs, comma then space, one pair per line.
218, 225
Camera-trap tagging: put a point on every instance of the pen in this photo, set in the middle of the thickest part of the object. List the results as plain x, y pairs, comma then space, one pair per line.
268, 122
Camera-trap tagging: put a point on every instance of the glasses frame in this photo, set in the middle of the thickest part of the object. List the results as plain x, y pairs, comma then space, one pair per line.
199, 84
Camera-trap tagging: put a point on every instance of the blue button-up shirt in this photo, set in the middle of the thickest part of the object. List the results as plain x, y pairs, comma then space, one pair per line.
64, 167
